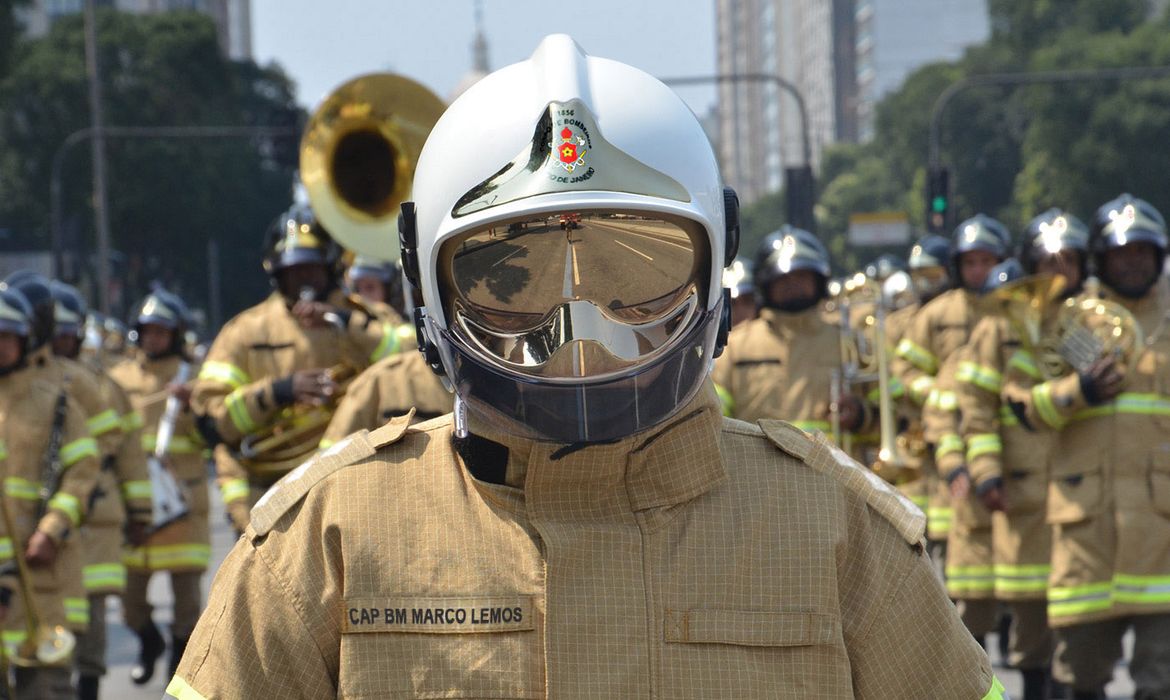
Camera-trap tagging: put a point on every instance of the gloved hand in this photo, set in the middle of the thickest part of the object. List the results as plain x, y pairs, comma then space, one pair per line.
1102, 381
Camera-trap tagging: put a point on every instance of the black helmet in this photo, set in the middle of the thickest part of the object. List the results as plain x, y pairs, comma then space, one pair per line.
789, 249
1127, 219
980, 232
1007, 271
296, 238
15, 312
69, 309
162, 308
930, 251
1050, 233
35, 289
738, 278
369, 268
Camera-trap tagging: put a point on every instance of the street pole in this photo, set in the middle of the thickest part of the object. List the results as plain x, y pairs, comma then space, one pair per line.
98, 143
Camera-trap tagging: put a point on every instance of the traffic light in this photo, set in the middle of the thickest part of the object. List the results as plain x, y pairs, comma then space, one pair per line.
801, 197
938, 200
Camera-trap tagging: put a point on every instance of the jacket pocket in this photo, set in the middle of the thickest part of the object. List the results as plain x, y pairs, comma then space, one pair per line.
1026, 491
1074, 497
750, 628
1160, 484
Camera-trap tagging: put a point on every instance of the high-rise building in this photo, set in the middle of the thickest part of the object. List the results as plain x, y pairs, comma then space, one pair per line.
841, 55
233, 18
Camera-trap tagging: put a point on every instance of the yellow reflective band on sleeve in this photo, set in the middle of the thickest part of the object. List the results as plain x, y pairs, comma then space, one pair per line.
1021, 578
132, 421
1042, 398
179, 689
3, 450
983, 444
238, 411
921, 388
812, 426
137, 490
325, 444
1141, 590
943, 400
224, 373
938, 522
233, 489
5, 548
982, 376
897, 391
77, 611
965, 580
726, 400
1023, 362
1079, 600
920, 500
917, 355
16, 487
179, 445
168, 556
1131, 403
388, 345
947, 444
103, 423
67, 504
1007, 417
74, 452
104, 576
997, 691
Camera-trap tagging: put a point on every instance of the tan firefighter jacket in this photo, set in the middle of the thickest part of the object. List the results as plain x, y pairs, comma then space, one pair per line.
780, 366
263, 345
708, 558
389, 388
911, 446
1109, 489
1002, 450
28, 404
185, 544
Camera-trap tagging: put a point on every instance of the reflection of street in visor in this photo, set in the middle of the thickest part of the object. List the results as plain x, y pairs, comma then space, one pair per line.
580, 300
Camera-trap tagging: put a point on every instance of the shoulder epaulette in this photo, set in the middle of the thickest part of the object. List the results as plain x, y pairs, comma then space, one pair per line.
826, 458
287, 492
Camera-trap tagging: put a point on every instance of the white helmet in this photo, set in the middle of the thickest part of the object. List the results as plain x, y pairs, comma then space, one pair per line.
570, 227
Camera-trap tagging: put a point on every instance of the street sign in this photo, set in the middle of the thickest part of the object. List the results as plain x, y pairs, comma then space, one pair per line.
879, 228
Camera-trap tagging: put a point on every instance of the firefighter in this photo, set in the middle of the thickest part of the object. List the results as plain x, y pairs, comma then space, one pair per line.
281, 356
745, 302
586, 522
182, 548
50, 466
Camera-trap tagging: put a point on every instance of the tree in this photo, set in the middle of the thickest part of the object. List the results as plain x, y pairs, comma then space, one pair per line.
167, 197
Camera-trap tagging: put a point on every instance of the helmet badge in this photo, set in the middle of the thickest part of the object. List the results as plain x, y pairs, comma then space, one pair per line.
573, 143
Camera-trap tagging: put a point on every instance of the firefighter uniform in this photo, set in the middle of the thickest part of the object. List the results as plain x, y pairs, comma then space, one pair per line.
28, 406
1001, 451
780, 366
910, 445
237, 384
385, 568
1109, 506
182, 548
389, 388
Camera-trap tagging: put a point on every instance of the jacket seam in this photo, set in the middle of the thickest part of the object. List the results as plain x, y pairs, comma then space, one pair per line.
894, 588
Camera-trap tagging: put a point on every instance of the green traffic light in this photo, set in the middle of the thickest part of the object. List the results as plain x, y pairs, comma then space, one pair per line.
939, 204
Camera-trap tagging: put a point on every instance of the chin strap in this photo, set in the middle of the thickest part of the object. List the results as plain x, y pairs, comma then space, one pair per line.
460, 412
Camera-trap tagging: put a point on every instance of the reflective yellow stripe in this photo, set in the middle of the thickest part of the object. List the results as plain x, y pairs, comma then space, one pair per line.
726, 400
1042, 398
970, 579
982, 376
917, 355
983, 444
325, 444
233, 489
179, 445
1078, 600
3, 450
810, 426
388, 345
103, 423
224, 373
238, 411
938, 522
921, 501
67, 504
1023, 361
168, 556
102, 576
24, 489
897, 391
132, 421
1128, 588
74, 452
920, 389
943, 400
136, 490
1129, 403
997, 691
77, 611
1021, 578
179, 689
5, 548
947, 444
1007, 417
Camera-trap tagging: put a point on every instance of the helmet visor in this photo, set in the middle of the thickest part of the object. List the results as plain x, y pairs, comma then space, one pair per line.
575, 294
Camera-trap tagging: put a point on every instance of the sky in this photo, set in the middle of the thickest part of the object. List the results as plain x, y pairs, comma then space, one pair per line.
323, 43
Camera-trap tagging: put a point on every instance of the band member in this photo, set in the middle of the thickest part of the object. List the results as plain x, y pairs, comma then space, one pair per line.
586, 522
181, 548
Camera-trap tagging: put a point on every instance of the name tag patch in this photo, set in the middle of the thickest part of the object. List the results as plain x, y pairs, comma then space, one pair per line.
438, 615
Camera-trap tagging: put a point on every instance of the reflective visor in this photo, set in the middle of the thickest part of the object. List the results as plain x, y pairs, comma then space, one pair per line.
572, 295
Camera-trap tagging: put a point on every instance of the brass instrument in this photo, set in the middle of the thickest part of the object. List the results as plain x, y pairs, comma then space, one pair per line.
1074, 335
358, 155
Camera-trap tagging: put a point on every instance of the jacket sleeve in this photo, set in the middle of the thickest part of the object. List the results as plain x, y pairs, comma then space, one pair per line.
914, 364
1040, 405
130, 460
721, 374
979, 381
940, 417
80, 463
226, 395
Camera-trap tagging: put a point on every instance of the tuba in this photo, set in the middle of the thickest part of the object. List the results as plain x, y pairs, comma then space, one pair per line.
358, 155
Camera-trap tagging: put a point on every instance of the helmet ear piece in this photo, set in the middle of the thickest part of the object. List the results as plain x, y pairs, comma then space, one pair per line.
731, 224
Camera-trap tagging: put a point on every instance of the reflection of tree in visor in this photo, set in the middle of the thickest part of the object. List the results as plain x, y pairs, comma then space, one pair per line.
604, 293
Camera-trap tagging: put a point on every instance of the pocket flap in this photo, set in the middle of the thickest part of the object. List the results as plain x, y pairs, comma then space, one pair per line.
750, 628
1074, 497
